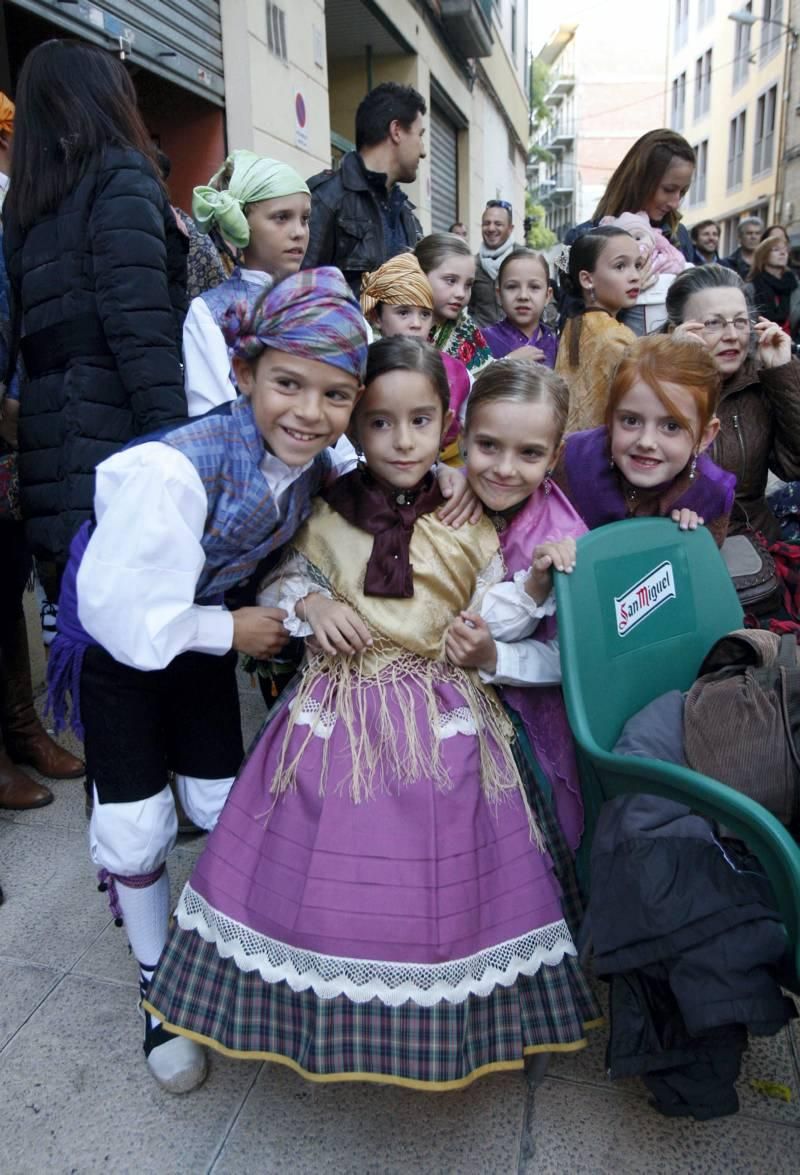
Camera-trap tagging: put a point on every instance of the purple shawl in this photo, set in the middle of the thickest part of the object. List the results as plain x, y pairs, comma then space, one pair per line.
594, 488
541, 708
504, 337
72, 640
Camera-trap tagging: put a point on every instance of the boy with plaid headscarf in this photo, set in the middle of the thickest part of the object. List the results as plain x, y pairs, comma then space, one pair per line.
146, 645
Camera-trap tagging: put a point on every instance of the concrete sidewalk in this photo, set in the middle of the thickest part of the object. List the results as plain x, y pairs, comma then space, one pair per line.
77, 1097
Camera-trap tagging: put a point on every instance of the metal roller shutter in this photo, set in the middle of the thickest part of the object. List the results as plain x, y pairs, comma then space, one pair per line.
444, 170
179, 39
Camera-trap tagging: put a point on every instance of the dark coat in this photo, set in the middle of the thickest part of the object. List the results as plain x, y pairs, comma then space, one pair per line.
101, 285
347, 226
484, 304
737, 263
697, 957
759, 415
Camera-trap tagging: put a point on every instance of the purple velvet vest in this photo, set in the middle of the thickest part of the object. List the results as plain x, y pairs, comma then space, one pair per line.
595, 490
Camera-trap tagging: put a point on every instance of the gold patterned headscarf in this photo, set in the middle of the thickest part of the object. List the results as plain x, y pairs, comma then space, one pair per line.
398, 282
7, 109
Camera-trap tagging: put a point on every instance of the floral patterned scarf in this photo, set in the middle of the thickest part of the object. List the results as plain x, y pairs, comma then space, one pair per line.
464, 340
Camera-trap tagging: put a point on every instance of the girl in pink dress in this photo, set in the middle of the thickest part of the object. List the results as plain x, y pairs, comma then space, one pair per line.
512, 436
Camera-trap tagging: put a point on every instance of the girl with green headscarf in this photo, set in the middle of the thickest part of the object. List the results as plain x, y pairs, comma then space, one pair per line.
262, 207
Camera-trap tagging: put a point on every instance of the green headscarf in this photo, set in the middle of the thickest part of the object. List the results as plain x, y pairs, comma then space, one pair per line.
253, 178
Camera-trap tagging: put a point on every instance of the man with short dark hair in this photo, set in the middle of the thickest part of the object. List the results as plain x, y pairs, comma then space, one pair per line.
749, 232
497, 225
360, 217
705, 239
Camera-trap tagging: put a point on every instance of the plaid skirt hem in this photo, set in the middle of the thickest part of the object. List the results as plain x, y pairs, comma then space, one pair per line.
381, 1078
198, 994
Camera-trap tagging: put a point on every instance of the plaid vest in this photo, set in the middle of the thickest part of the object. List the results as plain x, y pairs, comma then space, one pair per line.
233, 289
244, 523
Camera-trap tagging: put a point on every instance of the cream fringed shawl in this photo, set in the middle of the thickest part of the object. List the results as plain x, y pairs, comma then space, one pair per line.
452, 569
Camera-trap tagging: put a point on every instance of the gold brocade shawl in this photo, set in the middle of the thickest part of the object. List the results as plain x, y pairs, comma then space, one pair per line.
446, 565
602, 342
375, 694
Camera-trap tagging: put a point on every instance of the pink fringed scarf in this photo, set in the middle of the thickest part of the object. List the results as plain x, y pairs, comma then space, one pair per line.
541, 708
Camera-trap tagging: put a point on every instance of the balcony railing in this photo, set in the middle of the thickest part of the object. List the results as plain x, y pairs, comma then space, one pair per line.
559, 88
563, 136
554, 191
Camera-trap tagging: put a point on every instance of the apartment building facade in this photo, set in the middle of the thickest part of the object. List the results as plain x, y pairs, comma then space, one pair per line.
285, 79
606, 88
789, 184
726, 82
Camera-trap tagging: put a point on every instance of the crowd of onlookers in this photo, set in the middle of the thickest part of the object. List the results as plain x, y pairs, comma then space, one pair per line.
764, 259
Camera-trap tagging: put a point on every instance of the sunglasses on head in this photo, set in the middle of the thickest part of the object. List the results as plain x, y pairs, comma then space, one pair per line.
499, 204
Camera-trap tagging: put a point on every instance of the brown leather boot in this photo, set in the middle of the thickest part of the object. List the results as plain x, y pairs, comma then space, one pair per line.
17, 790
26, 739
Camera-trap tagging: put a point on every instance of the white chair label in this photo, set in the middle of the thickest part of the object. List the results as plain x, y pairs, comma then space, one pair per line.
644, 597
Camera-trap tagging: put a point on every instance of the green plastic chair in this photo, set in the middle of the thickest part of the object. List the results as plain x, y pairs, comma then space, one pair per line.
636, 618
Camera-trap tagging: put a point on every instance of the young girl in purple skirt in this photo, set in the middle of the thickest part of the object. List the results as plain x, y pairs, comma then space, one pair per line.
513, 427
377, 901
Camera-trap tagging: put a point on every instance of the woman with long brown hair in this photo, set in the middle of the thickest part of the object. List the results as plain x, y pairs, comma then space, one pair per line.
653, 177
771, 283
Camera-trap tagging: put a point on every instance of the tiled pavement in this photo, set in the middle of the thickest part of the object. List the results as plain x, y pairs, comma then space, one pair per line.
76, 1096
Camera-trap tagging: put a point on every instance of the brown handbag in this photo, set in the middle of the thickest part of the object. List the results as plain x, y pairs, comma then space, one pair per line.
752, 569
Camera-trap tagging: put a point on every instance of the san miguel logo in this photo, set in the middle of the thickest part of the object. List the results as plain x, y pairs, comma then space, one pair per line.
644, 597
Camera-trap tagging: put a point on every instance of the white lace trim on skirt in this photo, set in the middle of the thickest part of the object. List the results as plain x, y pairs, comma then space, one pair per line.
361, 980
323, 722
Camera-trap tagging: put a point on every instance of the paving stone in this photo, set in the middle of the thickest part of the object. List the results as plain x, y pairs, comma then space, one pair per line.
67, 810
768, 1058
24, 986
589, 1131
50, 915
77, 1095
290, 1124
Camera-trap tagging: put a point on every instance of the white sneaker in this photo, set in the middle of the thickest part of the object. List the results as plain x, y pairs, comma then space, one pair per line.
178, 1064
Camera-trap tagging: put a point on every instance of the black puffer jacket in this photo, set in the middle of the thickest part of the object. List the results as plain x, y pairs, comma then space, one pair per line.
102, 289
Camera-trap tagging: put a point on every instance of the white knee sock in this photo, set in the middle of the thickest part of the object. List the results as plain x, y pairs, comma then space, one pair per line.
145, 914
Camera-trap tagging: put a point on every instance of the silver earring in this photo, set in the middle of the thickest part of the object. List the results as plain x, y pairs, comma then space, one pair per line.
693, 467
611, 463
548, 483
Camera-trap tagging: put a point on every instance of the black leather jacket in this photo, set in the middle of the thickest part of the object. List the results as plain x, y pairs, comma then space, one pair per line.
347, 228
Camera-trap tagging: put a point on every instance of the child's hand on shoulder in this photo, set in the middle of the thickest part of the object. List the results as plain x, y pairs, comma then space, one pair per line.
259, 631
469, 643
337, 628
528, 353
462, 505
687, 519
555, 555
